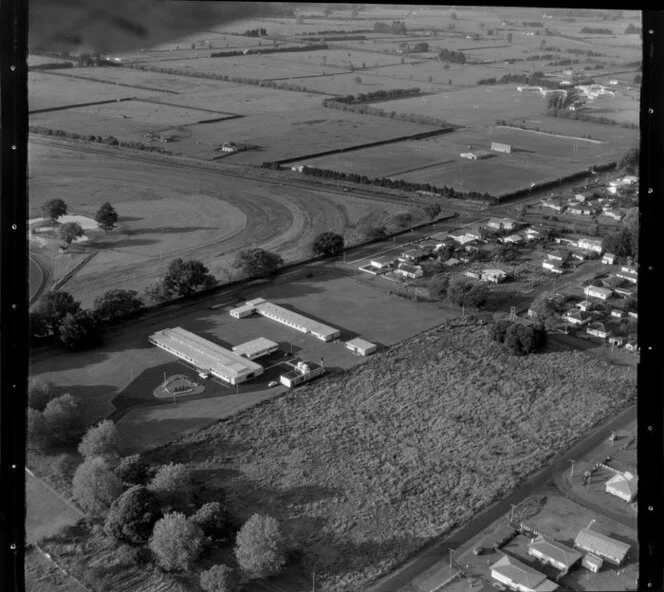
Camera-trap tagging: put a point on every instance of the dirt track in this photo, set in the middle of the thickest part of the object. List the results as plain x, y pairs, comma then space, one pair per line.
170, 210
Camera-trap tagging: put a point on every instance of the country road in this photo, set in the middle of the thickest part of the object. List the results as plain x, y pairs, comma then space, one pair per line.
401, 580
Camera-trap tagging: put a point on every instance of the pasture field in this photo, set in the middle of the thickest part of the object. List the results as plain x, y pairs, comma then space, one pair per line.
37, 60
344, 59
619, 108
260, 67
42, 575
292, 134
413, 441
615, 136
168, 210
48, 91
287, 27
478, 106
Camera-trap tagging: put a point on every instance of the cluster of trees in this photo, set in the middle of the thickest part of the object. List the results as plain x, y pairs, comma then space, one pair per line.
520, 339
632, 29
629, 162
182, 278
310, 47
580, 116
106, 217
454, 57
445, 191
328, 244
531, 24
258, 262
396, 28
465, 292
52, 66
258, 32
595, 31
378, 95
420, 47
108, 140
365, 109
624, 242
532, 79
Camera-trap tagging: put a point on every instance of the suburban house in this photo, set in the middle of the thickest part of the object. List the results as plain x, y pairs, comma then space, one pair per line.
590, 244
583, 197
229, 147
580, 210
551, 552
579, 255
584, 305
412, 255
623, 291
473, 274
410, 271
623, 485
634, 315
552, 267
428, 245
493, 275
616, 340
629, 274
611, 213
512, 239
519, 576
559, 256
452, 262
577, 317
531, 233
601, 545
502, 223
381, 263
598, 329
618, 313
608, 258
631, 345
597, 292
565, 240
553, 204
592, 562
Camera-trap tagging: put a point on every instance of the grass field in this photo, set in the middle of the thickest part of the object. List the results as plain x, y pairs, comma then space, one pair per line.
411, 442
620, 109
42, 575
48, 90
344, 59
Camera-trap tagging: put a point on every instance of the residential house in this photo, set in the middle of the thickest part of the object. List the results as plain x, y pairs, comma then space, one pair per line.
559, 256
584, 305
452, 262
577, 317
615, 214
553, 204
552, 267
230, 147
410, 271
624, 291
579, 255
473, 274
616, 340
632, 345
512, 239
618, 313
466, 236
519, 576
592, 562
381, 263
590, 244
628, 273
411, 255
531, 233
580, 210
598, 329
601, 545
493, 275
502, 223
623, 485
428, 245
551, 552
633, 314
597, 292
608, 258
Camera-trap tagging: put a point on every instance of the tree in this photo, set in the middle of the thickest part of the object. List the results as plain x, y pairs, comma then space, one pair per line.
132, 516
70, 231
499, 330
357, 80
328, 244
117, 303
453, 16
509, 38
40, 392
172, 485
421, 47
80, 330
106, 217
131, 470
37, 431
524, 339
176, 542
220, 578
213, 518
432, 211
183, 278
258, 262
102, 440
64, 421
95, 486
54, 209
259, 547
464, 292
53, 308
629, 163
438, 286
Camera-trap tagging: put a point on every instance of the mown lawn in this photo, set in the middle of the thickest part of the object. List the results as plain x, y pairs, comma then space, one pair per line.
372, 463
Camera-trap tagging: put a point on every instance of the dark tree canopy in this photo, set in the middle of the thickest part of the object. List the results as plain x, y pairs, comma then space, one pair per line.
132, 515
432, 211
176, 542
54, 209
183, 278
132, 470
70, 231
328, 244
80, 330
106, 217
95, 486
214, 519
117, 303
220, 578
438, 286
629, 163
63, 420
49, 313
40, 392
524, 339
499, 330
258, 262
464, 292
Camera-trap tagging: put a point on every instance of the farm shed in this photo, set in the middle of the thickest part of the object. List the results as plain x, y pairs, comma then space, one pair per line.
205, 355
303, 372
577, 317
592, 562
476, 155
623, 485
551, 552
552, 267
601, 545
380, 263
240, 312
598, 330
504, 148
256, 348
519, 576
411, 255
360, 346
297, 321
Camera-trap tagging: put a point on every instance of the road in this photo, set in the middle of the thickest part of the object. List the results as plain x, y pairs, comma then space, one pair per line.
403, 579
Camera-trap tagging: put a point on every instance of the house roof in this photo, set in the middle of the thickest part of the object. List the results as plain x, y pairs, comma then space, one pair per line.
518, 572
410, 268
361, 343
597, 326
591, 559
598, 290
494, 272
601, 544
552, 549
624, 483
579, 315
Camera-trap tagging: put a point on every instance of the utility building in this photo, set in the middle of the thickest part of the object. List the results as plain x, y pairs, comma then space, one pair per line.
360, 346
303, 372
602, 546
205, 355
297, 321
498, 147
256, 348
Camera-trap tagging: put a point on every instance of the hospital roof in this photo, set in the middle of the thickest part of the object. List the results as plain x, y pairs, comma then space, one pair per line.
207, 355
255, 346
296, 318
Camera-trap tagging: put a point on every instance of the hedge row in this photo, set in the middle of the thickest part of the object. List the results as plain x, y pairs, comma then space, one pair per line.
224, 54
378, 95
580, 116
447, 192
367, 110
108, 140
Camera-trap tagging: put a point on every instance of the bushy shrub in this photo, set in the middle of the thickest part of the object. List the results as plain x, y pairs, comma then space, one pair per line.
172, 486
213, 518
40, 393
220, 578
132, 515
95, 486
176, 542
101, 440
259, 547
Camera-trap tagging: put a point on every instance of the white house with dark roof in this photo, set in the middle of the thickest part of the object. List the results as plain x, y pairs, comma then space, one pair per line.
551, 552
519, 576
552, 266
608, 258
601, 545
598, 292
410, 271
590, 244
623, 485
598, 329
577, 317
493, 275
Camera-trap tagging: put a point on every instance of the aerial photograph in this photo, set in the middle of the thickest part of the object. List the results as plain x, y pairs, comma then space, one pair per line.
335, 297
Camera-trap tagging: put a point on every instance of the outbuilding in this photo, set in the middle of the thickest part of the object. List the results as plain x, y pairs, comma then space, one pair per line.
360, 346
518, 576
623, 485
602, 546
256, 348
551, 552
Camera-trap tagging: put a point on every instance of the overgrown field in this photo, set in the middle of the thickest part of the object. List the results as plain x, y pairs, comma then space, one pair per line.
371, 464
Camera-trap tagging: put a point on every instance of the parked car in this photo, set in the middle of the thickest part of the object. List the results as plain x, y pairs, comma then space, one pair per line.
272, 383
478, 550
204, 375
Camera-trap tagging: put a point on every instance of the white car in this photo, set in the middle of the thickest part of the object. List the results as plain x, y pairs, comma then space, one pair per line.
272, 383
204, 375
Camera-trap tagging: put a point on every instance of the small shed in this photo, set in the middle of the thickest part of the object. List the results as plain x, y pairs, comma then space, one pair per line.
361, 346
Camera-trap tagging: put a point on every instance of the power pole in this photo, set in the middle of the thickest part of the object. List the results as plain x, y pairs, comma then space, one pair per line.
451, 556
572, 471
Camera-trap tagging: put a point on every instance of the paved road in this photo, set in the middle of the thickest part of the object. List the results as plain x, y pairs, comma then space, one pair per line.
402, 579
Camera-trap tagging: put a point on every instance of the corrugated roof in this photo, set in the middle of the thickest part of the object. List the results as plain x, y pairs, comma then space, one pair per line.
625, 483
518, 572
554, 550
296, 319
254, 346
601, 545
361, 343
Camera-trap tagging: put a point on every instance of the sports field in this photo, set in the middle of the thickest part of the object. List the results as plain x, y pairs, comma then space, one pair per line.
168, 210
